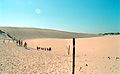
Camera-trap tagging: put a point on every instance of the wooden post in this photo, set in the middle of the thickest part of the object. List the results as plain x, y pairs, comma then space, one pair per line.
68, 49
73, 72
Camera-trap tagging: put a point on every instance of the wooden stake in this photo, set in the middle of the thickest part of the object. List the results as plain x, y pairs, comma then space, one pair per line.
73, 72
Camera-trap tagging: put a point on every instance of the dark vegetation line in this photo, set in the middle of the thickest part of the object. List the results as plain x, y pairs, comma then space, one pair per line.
18, 42
117, 33
7, 35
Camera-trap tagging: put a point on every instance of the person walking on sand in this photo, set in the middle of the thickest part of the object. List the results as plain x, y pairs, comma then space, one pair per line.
16, 42
25, 45
19, 42
37, 47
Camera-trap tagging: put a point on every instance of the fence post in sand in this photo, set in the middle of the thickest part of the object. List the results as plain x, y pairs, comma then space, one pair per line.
68, 48
73, 72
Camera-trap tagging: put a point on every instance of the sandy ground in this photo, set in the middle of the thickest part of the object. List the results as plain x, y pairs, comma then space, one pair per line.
97, 55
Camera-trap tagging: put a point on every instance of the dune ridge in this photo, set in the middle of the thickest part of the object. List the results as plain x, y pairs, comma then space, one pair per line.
31, 33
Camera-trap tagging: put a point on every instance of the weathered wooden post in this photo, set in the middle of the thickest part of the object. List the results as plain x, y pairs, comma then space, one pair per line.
68, 49
73, 72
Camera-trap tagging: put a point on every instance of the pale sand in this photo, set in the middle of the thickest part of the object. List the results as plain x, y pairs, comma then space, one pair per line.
95, 55
103, 45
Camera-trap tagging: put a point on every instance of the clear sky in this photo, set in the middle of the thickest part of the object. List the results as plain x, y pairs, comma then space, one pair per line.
88, 16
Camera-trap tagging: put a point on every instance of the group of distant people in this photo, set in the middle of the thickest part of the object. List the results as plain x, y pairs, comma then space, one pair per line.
45, 49
117, 58
20, 43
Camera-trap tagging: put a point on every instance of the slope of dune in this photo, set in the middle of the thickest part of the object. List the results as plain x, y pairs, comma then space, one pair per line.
31, 33
103, 45
97, 55
94, 55
18, 60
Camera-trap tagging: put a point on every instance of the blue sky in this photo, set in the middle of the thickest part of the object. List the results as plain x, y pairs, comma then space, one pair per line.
88, 16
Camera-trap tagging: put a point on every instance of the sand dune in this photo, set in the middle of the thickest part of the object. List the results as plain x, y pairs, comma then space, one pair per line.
31, 33
93, 55
97, 45
96, 55
17, 60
